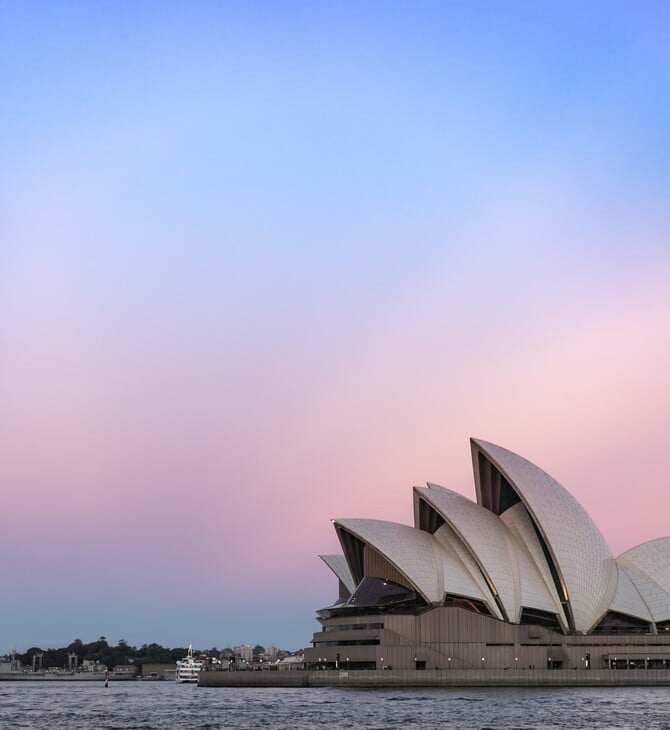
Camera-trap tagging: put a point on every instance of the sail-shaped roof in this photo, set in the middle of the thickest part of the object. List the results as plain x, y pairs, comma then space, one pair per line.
582, 566
628, 600
338, 564
462, 576
416, 555
648, 566
537, 586
526, 544
485, 536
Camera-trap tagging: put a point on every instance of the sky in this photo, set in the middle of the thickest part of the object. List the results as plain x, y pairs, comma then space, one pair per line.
267, 264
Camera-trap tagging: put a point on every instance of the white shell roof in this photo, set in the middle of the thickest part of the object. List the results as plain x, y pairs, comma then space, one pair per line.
627, 598
537, 585
477, 553
649, 568
416, 554
652, 558
338, 564
485, 536
653, 595
580, 554
462, 576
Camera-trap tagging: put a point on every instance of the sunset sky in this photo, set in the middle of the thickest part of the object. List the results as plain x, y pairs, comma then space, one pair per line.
267, 264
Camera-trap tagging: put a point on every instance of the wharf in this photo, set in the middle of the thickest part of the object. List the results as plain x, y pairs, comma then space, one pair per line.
406, 678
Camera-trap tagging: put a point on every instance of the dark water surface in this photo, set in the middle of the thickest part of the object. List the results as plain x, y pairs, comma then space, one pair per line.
158, 705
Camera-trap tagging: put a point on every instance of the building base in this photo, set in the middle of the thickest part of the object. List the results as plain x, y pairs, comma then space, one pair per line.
407, 678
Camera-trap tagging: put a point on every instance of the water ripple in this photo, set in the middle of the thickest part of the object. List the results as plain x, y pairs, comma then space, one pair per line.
165, 705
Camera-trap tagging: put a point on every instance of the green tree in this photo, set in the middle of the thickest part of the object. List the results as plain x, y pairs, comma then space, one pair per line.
27, 658
55, 658
124, 651
155, 654
77, 647
96, 649
179, 653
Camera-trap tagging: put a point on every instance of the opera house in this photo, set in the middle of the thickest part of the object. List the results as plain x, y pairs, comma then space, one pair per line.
521, 580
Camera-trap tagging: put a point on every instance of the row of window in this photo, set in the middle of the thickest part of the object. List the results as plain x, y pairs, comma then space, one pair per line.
354, 627
351, 642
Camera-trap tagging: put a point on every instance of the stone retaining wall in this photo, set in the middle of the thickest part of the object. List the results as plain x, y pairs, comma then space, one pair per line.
440, 678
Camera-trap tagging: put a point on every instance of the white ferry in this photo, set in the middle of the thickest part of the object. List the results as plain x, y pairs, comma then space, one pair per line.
188, 668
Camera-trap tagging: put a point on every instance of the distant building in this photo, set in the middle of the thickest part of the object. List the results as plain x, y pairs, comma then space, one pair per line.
159, 671
244, 652
291, 662
125, 670
88, 665
10, 663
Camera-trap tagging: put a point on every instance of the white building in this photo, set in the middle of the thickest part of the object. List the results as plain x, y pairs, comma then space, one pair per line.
520, 578
244, 652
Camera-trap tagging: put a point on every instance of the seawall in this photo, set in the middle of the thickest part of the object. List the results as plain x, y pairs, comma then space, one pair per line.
440, 678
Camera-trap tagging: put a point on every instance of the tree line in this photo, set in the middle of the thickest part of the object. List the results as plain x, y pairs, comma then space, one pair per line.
103, 653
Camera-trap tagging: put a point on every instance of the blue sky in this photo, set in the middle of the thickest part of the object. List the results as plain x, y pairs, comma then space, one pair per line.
266, 264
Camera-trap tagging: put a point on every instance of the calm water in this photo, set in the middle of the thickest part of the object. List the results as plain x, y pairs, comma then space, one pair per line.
128, 705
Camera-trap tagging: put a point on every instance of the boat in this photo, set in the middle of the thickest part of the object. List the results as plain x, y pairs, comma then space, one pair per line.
188, 668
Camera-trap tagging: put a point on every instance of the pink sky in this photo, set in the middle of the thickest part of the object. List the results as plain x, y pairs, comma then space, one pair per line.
255, 279
143, 465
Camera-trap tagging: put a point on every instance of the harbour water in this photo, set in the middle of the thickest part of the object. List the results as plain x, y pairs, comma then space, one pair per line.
164, 705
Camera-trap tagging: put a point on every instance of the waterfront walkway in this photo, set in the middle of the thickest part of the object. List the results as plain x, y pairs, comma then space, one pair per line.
439, 678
